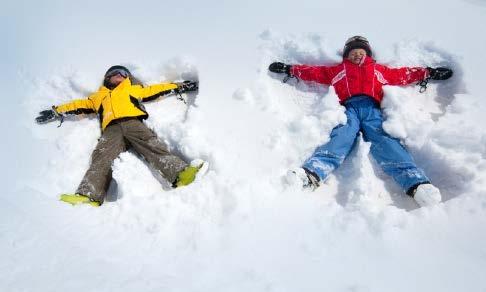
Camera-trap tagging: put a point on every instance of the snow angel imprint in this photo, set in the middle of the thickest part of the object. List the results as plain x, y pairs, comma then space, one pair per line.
358, 81
118, 104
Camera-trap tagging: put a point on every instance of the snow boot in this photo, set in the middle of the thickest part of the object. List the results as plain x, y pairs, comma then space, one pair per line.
77, 199
425, 194
303, 177
194, 171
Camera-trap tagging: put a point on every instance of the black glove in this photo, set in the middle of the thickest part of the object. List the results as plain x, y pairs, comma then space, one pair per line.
187, 86
278, 67
439, 73
47, 116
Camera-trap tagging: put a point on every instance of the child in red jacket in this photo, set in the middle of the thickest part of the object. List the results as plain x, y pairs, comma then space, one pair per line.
358, 82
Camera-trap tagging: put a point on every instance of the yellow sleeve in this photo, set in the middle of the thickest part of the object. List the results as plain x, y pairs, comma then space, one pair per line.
152, 92
77, 106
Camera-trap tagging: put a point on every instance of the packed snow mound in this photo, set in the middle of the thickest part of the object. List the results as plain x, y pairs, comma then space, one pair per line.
242, 228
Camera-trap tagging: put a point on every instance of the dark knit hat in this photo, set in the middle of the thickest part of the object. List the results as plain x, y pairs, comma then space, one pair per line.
115, 68
357, 42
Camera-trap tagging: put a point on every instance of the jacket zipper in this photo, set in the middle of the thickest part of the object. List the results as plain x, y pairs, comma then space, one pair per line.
111, 105
361, 76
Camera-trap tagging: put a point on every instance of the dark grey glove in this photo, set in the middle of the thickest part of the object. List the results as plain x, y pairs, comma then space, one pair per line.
187, 86
46, 116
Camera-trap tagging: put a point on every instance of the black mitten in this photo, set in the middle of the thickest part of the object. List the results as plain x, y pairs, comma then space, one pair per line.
439, 73
278, 67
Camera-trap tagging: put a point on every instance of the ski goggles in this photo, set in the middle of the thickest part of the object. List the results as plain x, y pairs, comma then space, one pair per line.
124, 73
358, 39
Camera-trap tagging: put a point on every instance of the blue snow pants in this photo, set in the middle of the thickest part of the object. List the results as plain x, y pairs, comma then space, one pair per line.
365, 115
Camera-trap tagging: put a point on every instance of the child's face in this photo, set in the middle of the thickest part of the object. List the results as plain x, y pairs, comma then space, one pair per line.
116, 79
356, 55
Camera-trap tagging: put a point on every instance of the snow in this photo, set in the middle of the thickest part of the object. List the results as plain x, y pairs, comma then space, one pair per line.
242, 228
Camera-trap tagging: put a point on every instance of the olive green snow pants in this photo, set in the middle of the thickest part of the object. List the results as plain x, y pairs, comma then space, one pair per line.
118, 137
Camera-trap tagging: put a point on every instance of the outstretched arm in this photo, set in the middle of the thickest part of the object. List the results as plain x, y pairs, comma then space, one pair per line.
79, 106
76, 107
320, 74
401, 76
407, 75
152, 92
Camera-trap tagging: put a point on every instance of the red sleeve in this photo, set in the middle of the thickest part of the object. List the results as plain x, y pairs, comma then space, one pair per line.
319, 74
404, 75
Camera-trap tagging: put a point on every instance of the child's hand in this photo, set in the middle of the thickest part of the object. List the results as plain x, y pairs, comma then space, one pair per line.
439, 73
278, 67
46, 116
187, 86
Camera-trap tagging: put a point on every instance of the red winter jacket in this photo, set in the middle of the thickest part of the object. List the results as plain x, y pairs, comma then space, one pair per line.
366, 78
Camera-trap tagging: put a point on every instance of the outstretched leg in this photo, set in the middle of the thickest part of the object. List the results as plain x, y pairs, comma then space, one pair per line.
331, 155
390, 154
97, 179
145, 142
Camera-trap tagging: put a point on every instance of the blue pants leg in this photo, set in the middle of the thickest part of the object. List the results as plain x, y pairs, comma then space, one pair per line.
363, 114
390, 154
328, 157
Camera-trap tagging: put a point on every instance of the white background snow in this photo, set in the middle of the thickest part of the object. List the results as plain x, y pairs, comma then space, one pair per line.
241, 228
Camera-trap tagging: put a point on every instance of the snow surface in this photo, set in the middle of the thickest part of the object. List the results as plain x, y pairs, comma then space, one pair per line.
242, 228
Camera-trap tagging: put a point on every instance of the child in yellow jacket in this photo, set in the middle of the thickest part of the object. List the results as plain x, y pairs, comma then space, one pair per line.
119, 108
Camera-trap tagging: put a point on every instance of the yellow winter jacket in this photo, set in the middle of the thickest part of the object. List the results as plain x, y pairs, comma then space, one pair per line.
121, 102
